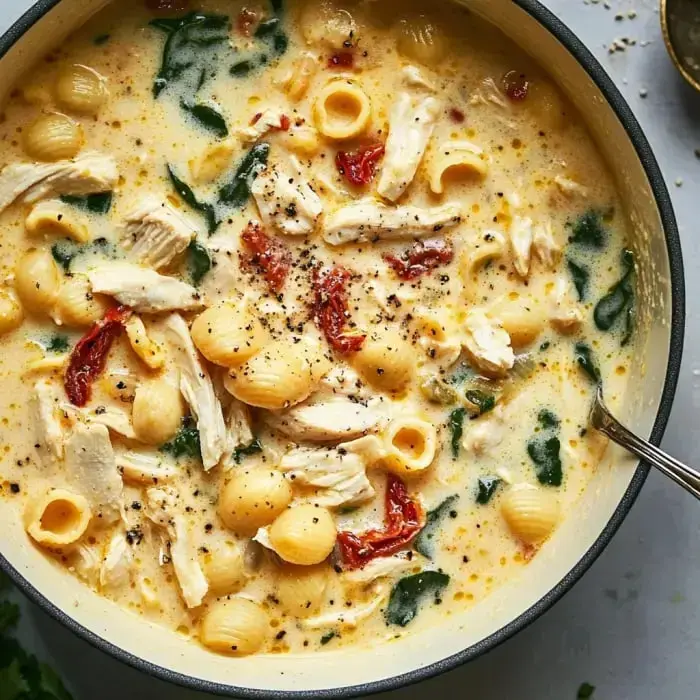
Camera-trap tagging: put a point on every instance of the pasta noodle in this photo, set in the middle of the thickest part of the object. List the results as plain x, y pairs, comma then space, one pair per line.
58, 518
410, 446
342, 110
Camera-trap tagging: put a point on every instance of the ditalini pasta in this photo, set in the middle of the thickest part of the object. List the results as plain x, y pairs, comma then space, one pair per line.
301, 299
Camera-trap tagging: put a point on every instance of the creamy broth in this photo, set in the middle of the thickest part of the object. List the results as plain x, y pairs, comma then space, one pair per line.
274, 271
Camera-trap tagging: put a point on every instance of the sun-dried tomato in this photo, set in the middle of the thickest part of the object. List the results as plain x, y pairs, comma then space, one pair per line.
247, 18
403, 520
342, 59
256, 118
456, 115
285, 122
167, 5
423, 257
359, 166
331, 308
268, 254
515, 85
89, 356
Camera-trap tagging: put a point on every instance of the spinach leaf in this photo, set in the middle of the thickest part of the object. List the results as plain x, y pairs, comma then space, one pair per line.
585, 691
199, 261
544, 452
580, 276
456, 420
619, 300
207, 116
63, 253
461, 374
277, 6
585, 358
408, 593
241, 69
487, 486
267, 27
588, 230
547, 419
237, 191
99, 203
187, 39
280, 43
58, 344
101, 39
327, 637
240, 453
483, 401
189, 197
424, 543
186, 442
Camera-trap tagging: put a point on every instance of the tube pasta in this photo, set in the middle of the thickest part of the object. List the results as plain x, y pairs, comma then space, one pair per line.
410, 446
58, 518
342, 110
456, 156
53, 217
236, 626
488, 246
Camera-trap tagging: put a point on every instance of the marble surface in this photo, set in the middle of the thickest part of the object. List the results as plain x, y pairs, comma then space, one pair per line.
631, 626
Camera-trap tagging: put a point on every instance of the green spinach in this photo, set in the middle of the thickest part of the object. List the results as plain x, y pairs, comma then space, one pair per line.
186, 442
189, 197
241, 69
619, 301
240, 453
101, 39
547, 419
63, 253
586, 360
486, 488
455, 423
588, 230
208, 117
99, 203
580, 276
58, 344
408, 593
327, 637
424, 543
585, 691
198, 261
267, 27
483, 401
544, 452
237, 191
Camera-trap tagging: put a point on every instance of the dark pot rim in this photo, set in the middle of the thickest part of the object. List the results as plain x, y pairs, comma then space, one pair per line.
586, 59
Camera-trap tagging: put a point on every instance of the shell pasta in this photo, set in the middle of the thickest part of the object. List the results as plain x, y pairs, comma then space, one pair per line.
300, 301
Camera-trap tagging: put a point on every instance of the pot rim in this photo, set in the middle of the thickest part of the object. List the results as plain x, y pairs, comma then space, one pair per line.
617, 102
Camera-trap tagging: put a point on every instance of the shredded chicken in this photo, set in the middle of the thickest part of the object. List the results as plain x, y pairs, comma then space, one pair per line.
156, 233
286, 200
93, 469
198, 390
411, 123
116, 564
238, 428
271, 118
486, 433
348, 617
521, 243
570, 187
544, 246
116, 419
381, 567
565, 316
369, 220
488, 343
144, 467
86, 174
47, 399
142, 289
413, 77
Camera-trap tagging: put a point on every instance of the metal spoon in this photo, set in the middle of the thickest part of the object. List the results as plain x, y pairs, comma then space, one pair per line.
602, 420
680, 22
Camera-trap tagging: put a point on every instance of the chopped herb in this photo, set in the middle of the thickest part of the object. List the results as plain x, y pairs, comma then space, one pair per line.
584, 357
424, 543
198, 261
267, 27
58, 344
436, 390
101, 39
189, 197
618, 301
588, 230
585, 691
240, 453
455, 424
544, 452
408, 593
548, 419
580, 276
461, 374
327, 637
280, 43
185, 47
545, 345
483, 401
186, 442
210, 118
241, 69
63, 253
487, 486
237, 191
99, 203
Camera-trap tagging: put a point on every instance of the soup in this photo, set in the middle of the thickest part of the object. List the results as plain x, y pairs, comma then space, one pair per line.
304, 306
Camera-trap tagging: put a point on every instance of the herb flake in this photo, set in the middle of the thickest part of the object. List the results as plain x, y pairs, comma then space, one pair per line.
486, 488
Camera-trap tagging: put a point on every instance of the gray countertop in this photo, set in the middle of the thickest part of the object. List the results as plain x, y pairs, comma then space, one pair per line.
629, 626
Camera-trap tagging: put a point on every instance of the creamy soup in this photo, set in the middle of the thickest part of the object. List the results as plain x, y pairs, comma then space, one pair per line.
303, 309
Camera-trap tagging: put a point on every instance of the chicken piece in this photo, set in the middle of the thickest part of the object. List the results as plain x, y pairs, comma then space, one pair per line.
348, 617
521, 243
48, 398
85, 561
485, 434
338, 476
369, 220
269, 119
570, 188
116, 419
488, 344
89, 173
381, 567
144, 467
198, 390
142, 289
92, 468
489, 93
413, 77
565, 316
411, 123
544, 246
286, 201
116, 564
238, 429
156, 233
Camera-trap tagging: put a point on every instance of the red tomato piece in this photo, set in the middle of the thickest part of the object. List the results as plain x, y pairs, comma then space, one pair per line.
422, 258
515, 85
167, 5
457, 115
247, 18
89, 356
403, 520
268, 254
359, 166
342, 59
330, 308
285, 122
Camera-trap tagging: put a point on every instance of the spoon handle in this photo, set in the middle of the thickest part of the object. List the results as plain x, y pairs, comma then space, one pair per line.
683, 475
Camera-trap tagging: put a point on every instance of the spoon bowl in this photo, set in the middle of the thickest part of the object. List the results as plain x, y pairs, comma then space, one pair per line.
680, 23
